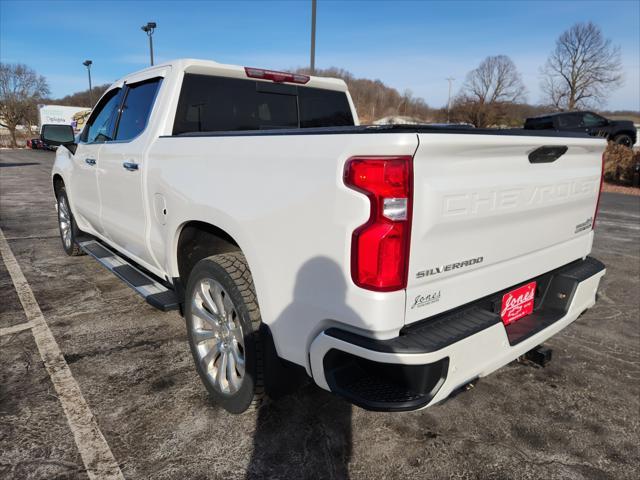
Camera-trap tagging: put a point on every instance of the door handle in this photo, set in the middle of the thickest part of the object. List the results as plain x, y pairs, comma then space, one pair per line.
131, 166
90, 161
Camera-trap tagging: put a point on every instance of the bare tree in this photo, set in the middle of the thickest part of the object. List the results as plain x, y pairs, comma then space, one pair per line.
20, 89
82, 98
583, 68
495, 80
495, 83
30, 117
374, 100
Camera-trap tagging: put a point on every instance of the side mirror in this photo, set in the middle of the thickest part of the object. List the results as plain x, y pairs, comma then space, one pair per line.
59, 135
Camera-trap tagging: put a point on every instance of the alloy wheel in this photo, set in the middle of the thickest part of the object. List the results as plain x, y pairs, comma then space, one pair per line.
64, 221
217, 335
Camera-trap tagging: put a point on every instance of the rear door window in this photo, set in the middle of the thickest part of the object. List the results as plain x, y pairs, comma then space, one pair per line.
139, 98
214, 104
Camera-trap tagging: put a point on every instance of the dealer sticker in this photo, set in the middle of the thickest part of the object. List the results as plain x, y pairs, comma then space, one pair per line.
518, 303
422, 300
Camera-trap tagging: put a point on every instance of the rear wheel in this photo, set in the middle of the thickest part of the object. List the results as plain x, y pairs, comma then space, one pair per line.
223, 321
623, 139
67, 225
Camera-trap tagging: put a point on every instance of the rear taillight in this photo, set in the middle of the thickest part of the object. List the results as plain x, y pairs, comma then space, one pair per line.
595, 215
275, 76
380, 247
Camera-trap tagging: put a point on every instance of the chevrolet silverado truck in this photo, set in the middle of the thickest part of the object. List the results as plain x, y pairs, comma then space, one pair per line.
392, 265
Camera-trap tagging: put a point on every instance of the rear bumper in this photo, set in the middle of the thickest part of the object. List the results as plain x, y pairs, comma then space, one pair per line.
433, 358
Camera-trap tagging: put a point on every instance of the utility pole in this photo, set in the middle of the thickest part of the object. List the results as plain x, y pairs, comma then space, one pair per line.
148, 29
313, 37
450, 80
87, 63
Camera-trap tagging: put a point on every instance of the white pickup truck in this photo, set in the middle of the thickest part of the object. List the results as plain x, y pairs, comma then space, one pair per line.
393, 265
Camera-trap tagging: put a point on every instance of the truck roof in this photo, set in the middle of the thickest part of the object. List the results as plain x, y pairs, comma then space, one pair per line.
558, 114
209, 67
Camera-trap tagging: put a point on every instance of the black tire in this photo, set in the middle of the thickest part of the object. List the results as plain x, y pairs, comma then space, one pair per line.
231, 271
623, 139
70, 246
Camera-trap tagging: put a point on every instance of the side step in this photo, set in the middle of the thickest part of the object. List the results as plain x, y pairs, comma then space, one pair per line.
155, 293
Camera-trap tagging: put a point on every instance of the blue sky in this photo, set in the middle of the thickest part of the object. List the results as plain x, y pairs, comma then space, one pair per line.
408, 45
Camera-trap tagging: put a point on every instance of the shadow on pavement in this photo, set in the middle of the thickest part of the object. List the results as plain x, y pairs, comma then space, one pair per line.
18, 164
306, 434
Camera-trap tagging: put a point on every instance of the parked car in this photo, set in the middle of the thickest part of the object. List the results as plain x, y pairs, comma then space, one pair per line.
35, 143
619, 131
393, 264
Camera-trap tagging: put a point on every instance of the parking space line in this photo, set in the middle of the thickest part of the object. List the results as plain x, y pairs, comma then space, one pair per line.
15, 328
33, 237
94, 450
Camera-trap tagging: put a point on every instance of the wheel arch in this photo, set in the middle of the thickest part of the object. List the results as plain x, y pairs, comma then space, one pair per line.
58, 182
630, 133
196, 240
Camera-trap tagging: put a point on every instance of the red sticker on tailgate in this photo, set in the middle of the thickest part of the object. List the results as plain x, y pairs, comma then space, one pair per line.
518, 303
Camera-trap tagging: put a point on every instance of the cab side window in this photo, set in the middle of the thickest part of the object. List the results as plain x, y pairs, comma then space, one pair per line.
591, 120
100, 126
139, 98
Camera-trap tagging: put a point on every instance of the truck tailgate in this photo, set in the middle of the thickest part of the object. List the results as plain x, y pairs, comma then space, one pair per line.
485, 218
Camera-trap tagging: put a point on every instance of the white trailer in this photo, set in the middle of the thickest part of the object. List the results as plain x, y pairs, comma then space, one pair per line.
62, 115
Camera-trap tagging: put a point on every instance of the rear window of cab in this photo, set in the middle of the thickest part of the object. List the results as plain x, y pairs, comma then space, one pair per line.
219, 104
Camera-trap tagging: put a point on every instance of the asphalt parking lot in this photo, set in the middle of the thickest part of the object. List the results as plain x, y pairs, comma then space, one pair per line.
577, 418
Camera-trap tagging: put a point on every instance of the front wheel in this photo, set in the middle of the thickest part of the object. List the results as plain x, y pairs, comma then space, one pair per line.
223, 320
67, 225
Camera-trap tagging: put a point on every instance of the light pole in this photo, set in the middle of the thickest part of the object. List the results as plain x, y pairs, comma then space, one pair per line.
313, 37
148, 29
87, 63
450, 80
